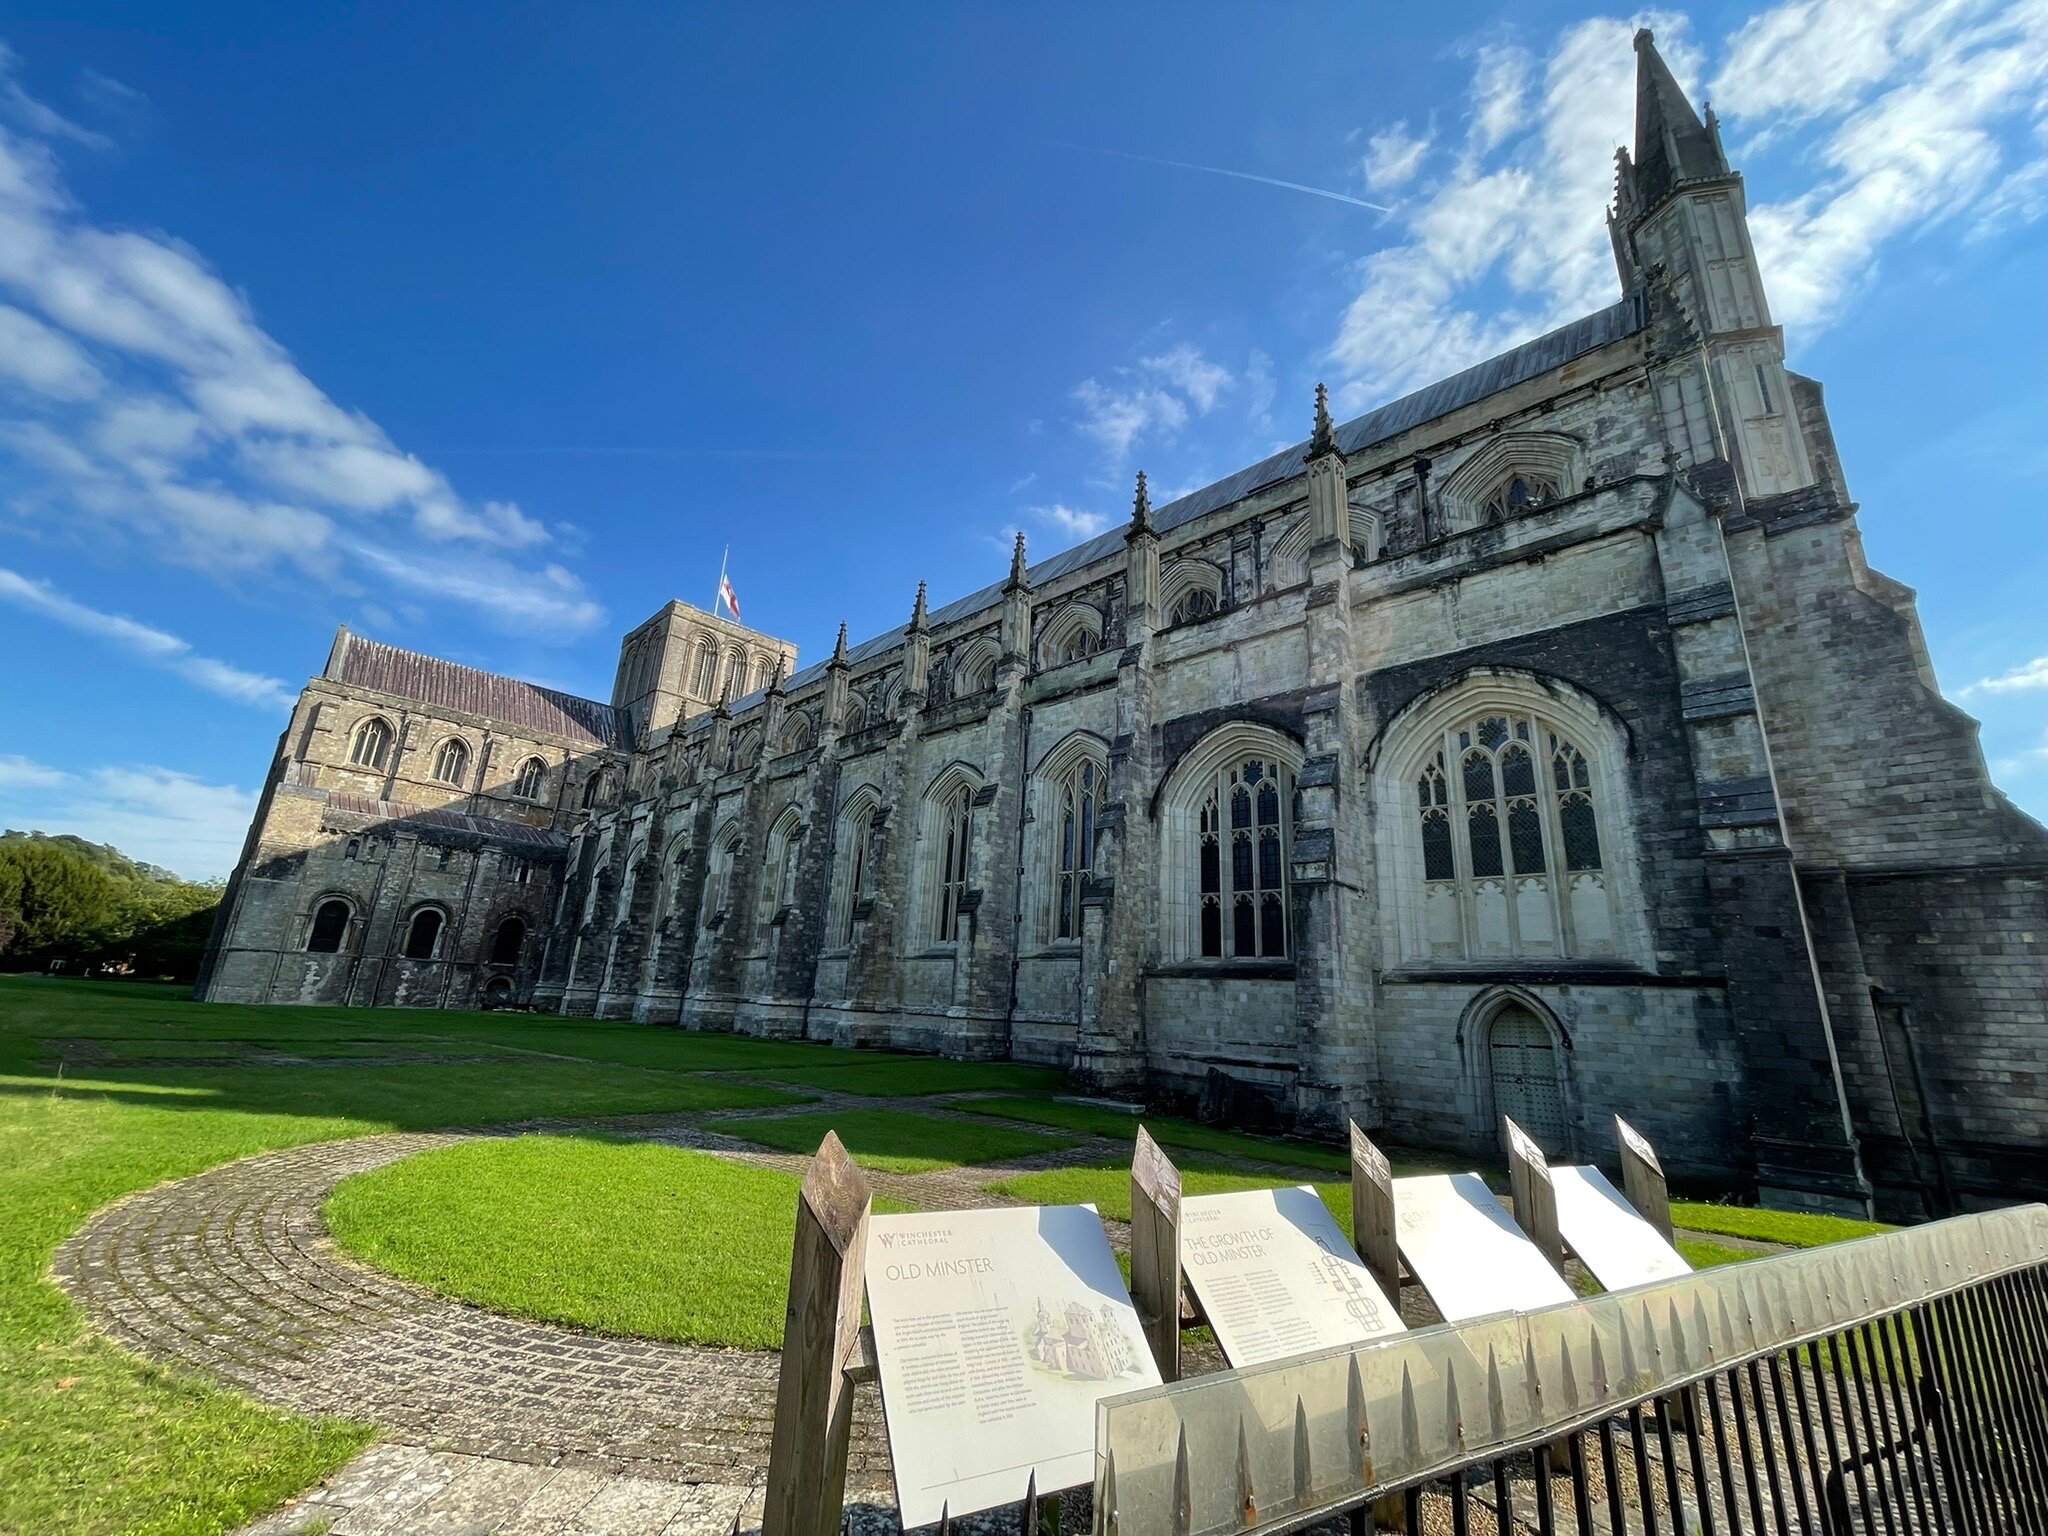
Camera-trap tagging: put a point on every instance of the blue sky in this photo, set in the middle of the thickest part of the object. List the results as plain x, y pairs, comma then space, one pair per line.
484, 329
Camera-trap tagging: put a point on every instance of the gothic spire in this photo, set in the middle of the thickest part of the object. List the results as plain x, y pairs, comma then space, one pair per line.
1141, 508
839, 646
919, 619
1672, 144
1017, 567
724, 706
1324, 439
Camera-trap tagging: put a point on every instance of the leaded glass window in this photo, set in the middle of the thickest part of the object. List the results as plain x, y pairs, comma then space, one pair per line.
372, 744
953, 831
1241, 863
1510, 844
1080, 791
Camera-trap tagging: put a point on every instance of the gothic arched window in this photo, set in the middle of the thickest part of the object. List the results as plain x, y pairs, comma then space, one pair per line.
372, 744
948, 834
779, 874
1076, 814
508, 941
718, 878
974, 669
530, 783
330, 927
850, 864
1511, 823
856, 715
1229, 812
451, 762
796, 732
1195, 603
1518, 493
598, 789
423, 934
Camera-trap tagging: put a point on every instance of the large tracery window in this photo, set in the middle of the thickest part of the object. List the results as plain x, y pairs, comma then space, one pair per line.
451, 762
1227, 826
949, 833
1078, 810
1511, 843
850, 880
1242, 862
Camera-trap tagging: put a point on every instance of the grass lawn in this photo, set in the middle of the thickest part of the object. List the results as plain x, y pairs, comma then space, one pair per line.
893, 1141
1179, 1134
94, 1441
1109, 1189
621, 1236
1787, 1227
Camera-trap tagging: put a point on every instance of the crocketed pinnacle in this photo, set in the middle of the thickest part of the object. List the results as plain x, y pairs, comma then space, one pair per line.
1141, 508
1324, 439
1017, 566
919, 619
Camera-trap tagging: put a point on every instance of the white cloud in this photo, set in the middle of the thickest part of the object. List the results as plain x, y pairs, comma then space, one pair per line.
1393, 156
1116, 418
148, 812
1072, 521
43, 359
155, 646
2030, 677
158, 405
1185, 369
1911, 116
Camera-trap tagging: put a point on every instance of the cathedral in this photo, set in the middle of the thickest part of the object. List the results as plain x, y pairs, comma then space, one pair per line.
1538, 743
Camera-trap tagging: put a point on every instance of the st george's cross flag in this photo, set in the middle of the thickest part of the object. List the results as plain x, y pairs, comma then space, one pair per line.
727, 596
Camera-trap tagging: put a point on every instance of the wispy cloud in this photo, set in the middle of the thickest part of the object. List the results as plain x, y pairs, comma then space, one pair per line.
1152, 400
157, 647
139, 393
1913, 116
1072, 521
1218, 170
148, 812
2031, 677
1393, 156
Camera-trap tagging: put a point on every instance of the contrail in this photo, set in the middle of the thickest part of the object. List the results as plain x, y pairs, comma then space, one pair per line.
1217, 170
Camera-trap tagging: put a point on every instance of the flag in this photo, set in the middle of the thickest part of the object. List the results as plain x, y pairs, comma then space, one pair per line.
727, 596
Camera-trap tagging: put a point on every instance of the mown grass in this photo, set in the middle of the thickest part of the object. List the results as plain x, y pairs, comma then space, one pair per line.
1109, 1189
1168, 1132
628, 1237
893, 1141
1789, 1228
93, 1440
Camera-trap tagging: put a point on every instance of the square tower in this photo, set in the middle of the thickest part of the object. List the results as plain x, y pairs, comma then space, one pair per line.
682, 661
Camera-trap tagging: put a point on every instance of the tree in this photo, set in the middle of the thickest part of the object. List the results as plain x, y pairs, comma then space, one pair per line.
65, 900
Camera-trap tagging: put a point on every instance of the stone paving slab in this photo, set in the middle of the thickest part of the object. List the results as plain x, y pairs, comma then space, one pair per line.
497, 1426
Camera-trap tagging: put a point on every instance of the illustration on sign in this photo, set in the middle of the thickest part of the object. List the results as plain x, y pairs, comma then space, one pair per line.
1276, 1276
995, 1332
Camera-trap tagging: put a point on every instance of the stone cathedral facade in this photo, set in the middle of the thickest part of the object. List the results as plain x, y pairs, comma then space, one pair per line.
1539, 743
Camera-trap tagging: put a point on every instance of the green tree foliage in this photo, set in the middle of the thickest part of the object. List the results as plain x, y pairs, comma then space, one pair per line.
79, 905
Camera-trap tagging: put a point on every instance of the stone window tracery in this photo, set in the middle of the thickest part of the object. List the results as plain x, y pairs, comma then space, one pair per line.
598, 789
785, 850
1196, 603
796, 732
974, 669
1518, 493
371, 746
856, 715
947, 843
1512, 858
1228, 815
1073, 634
850, 880
451, 761
530, 783
718, 879
1077, 814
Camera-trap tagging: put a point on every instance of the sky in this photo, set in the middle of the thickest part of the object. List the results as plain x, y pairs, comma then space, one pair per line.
486, 330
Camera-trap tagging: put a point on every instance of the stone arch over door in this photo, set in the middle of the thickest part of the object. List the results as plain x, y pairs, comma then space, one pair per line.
1519, 1058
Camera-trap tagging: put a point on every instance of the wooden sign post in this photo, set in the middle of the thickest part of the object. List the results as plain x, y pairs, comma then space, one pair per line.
1155, 1251
820, 1341
1530, 1188
1372, 1214
1642, 1179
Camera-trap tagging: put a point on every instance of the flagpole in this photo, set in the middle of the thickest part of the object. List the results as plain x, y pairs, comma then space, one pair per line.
718, 592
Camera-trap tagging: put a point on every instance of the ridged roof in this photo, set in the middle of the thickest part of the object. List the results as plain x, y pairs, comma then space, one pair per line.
1516, 366
449, 685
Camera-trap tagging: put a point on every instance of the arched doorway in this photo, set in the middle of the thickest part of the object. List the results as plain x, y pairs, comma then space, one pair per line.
1527, 1086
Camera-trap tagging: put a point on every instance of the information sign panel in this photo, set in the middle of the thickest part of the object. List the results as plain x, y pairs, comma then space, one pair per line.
995, 1332
1276, 1275
1608, 1234
1467, 1251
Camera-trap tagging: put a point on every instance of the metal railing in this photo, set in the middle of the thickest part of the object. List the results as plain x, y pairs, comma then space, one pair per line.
1897, 1385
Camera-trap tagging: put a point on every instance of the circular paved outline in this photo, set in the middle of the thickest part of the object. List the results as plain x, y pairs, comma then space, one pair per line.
232, 1273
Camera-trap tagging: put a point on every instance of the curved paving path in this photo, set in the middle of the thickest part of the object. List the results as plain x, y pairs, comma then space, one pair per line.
231, 1272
